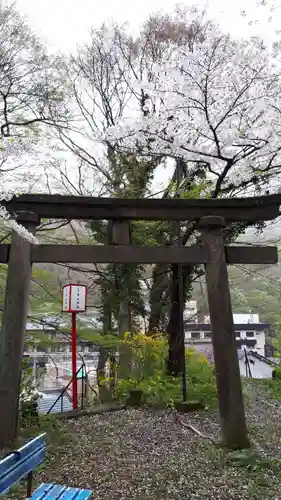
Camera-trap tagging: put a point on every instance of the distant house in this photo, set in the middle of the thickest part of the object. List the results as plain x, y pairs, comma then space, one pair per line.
55, 342
254, 355
247, 333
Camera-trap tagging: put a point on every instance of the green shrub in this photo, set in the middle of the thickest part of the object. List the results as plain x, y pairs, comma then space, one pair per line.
277, 372
29, 395
273, 388
147, 372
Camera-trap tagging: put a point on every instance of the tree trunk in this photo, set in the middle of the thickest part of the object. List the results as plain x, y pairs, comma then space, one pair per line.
175, 356
121, 236
105, 296
160, 282
106, 314
113, 370
104, 393
103, 352
175, 359
161, 278
125, 320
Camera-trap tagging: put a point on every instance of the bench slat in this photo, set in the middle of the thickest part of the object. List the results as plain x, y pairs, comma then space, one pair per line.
21, 470
53, 491
42, 491
24, 451
79, 494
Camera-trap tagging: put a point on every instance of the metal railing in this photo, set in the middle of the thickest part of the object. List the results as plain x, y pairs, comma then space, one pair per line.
64, 392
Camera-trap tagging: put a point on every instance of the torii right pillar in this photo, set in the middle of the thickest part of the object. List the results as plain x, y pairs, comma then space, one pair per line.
229, 387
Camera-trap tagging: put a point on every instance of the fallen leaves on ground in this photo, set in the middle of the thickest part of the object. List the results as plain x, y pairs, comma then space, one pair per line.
140, 454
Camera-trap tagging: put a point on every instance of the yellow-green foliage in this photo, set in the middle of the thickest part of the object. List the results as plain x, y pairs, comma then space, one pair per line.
148, 372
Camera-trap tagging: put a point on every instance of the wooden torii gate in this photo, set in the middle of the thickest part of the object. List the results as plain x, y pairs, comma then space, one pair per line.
212, 217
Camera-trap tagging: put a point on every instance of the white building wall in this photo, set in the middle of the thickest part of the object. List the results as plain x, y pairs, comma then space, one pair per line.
205, 338
240, 318
245, 318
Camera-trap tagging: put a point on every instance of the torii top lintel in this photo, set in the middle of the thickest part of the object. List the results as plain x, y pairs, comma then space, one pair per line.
249, 209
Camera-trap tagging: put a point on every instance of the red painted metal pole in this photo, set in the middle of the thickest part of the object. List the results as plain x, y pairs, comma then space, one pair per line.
74, 368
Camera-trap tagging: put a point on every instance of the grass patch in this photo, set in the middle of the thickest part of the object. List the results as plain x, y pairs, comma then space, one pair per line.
273, 388
56, 430
247, 460
261, 473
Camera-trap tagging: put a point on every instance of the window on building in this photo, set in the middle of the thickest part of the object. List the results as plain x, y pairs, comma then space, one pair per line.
195, 335
207, 335
238, 335
250, 334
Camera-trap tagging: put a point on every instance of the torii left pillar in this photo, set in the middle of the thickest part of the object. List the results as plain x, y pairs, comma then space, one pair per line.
12, 333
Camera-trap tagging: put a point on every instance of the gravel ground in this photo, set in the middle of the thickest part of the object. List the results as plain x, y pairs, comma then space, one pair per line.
140, 454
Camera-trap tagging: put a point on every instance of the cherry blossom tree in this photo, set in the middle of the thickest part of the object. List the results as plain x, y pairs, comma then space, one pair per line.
103, 78
215, 111
218, 109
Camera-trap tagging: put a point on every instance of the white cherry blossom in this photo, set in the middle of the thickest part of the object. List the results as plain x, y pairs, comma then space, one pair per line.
219, 105
11, 147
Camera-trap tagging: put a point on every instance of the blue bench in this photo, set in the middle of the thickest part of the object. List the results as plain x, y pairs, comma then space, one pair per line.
20, 464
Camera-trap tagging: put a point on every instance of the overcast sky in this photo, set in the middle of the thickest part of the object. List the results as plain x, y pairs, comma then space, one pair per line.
64, 23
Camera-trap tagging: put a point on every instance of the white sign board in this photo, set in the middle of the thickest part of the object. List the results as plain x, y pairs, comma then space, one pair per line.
74, 298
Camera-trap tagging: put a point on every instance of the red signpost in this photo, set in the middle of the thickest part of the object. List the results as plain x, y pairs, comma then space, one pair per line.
74, 300
74, 367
